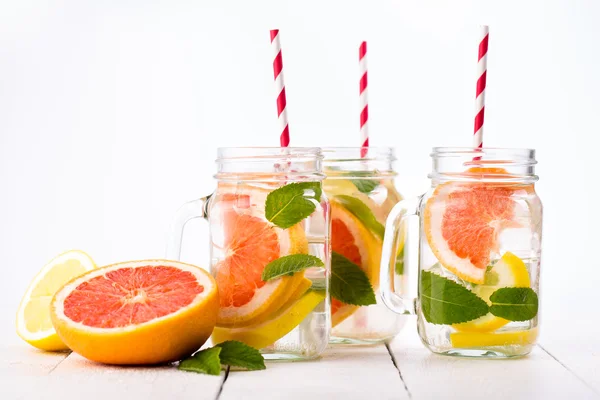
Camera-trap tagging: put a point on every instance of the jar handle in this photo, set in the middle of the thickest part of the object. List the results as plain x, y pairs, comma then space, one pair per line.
394, 226
190, 210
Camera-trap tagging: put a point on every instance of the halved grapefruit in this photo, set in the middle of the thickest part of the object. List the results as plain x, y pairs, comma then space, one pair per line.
350, 238
462, 221
249, 242
137, 312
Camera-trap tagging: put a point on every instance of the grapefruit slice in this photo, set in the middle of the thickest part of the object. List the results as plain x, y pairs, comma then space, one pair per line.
462, 221
249, 243
350, 238
137, 312
33, 318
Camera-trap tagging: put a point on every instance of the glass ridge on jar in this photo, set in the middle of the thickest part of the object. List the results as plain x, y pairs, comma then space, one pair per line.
286, 317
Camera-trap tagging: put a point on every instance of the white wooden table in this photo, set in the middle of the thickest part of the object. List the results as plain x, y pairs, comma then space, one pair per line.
560, 367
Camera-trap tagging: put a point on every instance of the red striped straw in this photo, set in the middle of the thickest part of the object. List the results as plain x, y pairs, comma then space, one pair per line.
284, 138
364, 100
481, 80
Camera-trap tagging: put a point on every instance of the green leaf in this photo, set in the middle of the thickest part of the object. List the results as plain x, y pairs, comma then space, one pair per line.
400, 263
446, 302
290, 204
349, 283
290, 264
365, 185
238, 354
514, 303
318, 285
205, 361
361, 211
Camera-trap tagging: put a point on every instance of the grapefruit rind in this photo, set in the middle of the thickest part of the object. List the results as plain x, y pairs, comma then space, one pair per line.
164, 339
48, 339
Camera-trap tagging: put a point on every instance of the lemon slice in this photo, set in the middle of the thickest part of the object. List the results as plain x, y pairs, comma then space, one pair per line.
33, 318
270, 331
465, 340
509, 271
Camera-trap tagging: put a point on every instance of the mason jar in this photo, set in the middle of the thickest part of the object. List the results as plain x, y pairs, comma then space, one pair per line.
268, 250
479, 253
361, 190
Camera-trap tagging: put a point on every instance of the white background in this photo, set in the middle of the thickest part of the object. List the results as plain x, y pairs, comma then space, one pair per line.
111, 113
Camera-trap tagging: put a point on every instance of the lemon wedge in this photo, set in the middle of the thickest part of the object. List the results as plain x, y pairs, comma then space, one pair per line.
269, 332
509, 271
33, 317
465, 340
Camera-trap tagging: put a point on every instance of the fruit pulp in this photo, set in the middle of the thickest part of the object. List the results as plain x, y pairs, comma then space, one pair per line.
361, 202
513, 261
286, 317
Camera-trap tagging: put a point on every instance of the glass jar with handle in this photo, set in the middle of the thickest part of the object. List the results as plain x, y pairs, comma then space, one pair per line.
479, 250
360, 187
269, 249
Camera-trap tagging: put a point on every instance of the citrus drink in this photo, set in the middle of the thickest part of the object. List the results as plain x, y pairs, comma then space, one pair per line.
361, 192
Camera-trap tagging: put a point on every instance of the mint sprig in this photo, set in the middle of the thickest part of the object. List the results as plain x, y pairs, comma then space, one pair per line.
238, 354
349, 283
446, 302
365, 185
514, 303
361, 211
231, 352
288, 265
290, 204
205, 361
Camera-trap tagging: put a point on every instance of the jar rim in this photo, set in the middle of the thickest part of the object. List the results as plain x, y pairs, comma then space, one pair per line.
260, 152
462, 151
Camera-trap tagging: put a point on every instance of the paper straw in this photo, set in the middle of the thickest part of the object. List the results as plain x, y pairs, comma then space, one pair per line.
364, 100
481, 81
284, 138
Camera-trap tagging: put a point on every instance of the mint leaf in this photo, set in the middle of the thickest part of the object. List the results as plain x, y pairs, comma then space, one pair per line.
400, 263
514, 303
318, 285
446, 302
365, 185
361, 211
238, 354
205, 361
290, 264
349, 283
290, 204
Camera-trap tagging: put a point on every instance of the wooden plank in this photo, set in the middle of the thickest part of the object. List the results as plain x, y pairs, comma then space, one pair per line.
579, 353
341, 373
79, 379
24, 360
427, 375
21, 366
